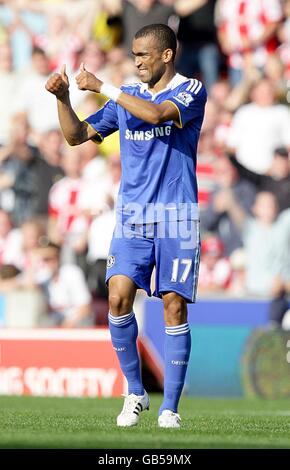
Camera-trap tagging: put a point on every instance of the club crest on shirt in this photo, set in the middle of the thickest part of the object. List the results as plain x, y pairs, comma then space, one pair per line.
110, 261
184, 98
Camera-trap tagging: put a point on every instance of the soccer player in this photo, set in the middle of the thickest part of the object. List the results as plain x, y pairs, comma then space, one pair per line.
157, 217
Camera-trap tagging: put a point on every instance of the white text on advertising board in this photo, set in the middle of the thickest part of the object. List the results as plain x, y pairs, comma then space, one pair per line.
45, 381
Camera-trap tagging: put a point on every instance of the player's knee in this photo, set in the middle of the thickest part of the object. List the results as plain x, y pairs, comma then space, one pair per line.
119, 304
174, 309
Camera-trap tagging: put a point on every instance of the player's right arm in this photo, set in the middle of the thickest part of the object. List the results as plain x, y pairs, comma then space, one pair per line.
75, 131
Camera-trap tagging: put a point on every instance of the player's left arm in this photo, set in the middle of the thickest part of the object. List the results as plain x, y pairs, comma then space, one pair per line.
149, 112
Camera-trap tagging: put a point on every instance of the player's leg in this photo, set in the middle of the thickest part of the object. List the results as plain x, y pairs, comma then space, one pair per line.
177, 262
176, 356
124, 333
129, 267
124, 330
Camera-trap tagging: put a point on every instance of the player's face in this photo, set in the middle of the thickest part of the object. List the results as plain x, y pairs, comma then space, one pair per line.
148, 59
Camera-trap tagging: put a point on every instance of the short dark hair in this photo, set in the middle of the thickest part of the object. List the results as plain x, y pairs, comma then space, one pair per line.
165, 36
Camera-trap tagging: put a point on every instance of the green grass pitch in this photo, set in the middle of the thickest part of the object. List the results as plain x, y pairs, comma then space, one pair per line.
72, 423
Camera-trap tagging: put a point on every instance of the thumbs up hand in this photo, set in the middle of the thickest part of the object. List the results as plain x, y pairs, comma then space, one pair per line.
87, 81
58, 83
64, 75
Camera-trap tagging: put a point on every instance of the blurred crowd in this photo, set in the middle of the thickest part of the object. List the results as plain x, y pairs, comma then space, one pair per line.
57, 202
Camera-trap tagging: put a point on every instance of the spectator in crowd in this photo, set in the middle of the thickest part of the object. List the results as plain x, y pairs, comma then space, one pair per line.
237, 287
67, 222
199, 50
65, 289
22, 243
60, 28
24, 303
33, 97
9, 84
101, 230
284, 36
219, 92
8, 278
66, 36
21, 23
51, 147
275, 71
7, 235
258, 128
247, 33
277, 179
94, 165
215, 269
120, 68
107, 28
93, 198
222, 130
211, 116
266, 238
225, 101
229, 98
206, 160
26, 177
137, 13
93, 57
215, 217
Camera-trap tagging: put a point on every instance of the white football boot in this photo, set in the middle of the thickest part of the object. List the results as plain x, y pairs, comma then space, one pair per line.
169, 419
133, 405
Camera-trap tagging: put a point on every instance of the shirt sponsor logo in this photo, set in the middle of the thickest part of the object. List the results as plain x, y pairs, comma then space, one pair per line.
184, 98
110, 261
163, 131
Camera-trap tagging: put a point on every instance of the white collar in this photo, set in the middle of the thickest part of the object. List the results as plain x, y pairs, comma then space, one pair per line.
176, 80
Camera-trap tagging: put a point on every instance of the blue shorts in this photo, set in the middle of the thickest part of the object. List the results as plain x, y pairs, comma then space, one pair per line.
173, 248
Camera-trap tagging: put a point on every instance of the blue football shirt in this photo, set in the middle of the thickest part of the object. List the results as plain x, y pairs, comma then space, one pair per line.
158, 161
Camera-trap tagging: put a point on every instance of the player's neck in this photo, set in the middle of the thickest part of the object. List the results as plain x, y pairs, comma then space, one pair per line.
163, 82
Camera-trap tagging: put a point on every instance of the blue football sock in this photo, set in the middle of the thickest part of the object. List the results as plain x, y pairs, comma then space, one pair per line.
177, 350
124, 332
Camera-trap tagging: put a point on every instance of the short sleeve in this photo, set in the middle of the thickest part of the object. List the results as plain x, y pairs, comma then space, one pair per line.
104, 121
190, 102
